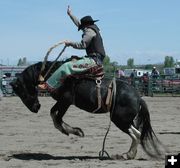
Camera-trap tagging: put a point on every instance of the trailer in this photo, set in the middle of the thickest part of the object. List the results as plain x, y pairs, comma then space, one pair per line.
172, 71
138, 72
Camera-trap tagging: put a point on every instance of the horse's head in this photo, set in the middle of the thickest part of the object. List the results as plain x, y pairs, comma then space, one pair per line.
25, 85
26, 89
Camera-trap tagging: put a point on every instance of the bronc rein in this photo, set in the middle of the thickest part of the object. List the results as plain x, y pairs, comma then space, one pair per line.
41, 78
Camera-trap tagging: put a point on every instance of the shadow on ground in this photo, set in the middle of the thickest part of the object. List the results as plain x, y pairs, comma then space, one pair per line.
43, 156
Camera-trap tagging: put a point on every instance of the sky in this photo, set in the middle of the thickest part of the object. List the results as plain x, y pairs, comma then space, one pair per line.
146, 31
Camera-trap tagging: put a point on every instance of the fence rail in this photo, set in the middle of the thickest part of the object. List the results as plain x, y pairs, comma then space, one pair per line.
157, 87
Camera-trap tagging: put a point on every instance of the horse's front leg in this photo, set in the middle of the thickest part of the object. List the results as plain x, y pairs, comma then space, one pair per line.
57, 113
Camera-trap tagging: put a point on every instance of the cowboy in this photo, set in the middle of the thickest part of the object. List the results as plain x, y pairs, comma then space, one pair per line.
93, 44
4, 84
154, 73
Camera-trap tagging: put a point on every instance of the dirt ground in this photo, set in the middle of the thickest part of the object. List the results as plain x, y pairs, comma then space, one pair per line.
29, 140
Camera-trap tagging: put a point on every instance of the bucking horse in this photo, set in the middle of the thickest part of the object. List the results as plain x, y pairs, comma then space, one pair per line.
129, 112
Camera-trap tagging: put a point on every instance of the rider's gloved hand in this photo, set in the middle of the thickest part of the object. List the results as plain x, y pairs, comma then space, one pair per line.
67, 43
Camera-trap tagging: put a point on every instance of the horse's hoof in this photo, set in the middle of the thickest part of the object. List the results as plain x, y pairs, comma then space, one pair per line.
127, 156
78, 132
117, 157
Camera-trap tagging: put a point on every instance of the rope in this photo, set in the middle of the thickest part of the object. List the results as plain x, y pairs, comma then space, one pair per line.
102, 152
47, 54
54, 62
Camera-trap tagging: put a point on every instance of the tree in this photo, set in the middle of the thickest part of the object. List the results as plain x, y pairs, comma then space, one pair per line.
114, 63
19, 62
106, 60
168, 61
22, 62
130, 63
109, 67
148, 66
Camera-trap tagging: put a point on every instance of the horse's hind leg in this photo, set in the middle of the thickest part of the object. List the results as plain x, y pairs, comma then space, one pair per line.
57, 113
135, 136
123, 119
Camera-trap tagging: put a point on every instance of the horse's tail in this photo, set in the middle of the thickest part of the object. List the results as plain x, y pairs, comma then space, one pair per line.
149, 141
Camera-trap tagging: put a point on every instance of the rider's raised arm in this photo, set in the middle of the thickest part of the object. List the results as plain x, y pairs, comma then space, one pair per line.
73, 18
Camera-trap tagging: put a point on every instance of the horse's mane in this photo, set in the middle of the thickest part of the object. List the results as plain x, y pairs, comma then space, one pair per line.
32, 72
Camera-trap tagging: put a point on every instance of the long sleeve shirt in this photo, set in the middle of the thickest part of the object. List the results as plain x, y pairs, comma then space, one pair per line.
87, 36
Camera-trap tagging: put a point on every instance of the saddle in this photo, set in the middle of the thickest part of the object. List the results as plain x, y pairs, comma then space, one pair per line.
93, 73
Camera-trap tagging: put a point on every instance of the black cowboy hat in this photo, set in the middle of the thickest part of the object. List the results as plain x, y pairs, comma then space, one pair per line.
86, 20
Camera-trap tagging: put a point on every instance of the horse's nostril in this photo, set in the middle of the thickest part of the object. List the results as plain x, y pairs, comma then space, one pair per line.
38, 106
35, 108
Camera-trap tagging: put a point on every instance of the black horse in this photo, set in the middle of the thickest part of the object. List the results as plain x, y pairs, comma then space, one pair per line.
130, 113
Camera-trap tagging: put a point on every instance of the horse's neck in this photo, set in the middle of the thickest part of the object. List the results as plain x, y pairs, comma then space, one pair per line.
36, 69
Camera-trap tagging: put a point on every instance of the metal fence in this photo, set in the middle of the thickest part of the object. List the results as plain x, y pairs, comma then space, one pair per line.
160, 86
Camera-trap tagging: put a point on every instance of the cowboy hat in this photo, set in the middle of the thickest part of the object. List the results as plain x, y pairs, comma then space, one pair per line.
86, 20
